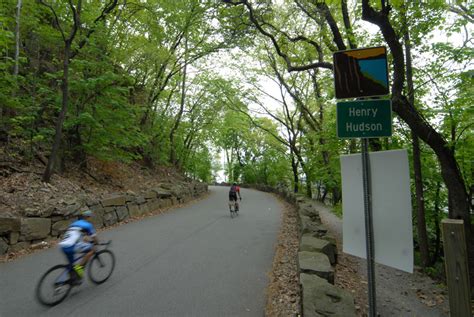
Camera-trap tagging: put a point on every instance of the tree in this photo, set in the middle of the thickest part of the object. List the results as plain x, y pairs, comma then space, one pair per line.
283, 43
69, 53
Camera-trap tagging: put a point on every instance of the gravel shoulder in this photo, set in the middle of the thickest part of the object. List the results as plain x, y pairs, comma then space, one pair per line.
397, 293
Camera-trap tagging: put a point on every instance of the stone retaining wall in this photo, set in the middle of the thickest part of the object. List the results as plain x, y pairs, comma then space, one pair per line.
317, 257
21, 233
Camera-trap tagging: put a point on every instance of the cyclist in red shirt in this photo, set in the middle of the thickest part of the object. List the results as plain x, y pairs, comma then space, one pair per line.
233, 192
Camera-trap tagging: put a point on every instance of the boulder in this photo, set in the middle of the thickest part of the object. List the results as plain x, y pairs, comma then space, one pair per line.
316, 263
312, 244
308, 210
71, 210
319, 298
114, 200
174, 200
150, 195
140, 200
165, 203
134, 210
35, 228
145, 208
314, 228
162, 193
3, 246
98, 221
110, 218
19, 246
59, 227
13, 237
122, 213
154, 205
9, 224
92, 203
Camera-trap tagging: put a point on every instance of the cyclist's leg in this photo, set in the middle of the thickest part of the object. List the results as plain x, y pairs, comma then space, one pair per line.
69, 253
84, 247
232, 200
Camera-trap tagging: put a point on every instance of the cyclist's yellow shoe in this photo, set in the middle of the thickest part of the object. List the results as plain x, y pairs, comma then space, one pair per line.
79, 269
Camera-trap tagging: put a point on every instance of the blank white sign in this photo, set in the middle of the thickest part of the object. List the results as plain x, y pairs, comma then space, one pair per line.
391, 208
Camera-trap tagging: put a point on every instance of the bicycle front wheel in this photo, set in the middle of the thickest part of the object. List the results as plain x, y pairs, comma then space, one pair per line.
101, 266
54, 285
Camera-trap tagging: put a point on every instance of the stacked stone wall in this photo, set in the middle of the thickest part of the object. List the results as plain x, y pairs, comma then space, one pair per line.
21, 233
317, 258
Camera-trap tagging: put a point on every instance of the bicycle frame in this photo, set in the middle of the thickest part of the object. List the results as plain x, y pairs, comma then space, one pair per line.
64, 277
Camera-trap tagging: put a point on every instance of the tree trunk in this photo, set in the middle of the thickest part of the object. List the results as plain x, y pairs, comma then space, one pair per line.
420, 204
17, 37
173, 156
420, 201
59, 123
437, 249
449, 169
294, 168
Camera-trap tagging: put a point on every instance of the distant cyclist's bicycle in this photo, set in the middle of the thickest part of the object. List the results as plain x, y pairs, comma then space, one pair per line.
233, 208
56, 283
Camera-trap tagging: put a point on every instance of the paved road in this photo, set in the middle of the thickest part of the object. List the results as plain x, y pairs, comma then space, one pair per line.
194, 261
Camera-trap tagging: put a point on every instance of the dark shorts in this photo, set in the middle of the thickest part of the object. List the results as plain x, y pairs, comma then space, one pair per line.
233, 196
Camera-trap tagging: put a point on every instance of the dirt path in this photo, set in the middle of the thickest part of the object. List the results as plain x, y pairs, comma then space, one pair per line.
398, 293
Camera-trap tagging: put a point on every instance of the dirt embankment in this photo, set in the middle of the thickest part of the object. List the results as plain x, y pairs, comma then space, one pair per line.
22, 192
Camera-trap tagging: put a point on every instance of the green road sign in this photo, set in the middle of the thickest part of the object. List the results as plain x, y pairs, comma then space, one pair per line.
361, 73
364, 119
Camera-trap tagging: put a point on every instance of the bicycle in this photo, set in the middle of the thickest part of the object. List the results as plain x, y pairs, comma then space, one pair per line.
54, 286
234, 208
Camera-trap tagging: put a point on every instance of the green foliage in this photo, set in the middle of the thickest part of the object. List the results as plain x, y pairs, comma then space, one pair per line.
126, 88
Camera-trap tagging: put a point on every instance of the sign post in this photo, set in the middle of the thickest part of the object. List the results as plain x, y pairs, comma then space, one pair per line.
357, 74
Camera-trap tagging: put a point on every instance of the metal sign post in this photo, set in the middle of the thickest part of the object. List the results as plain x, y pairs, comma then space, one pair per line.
364, 73
369, 228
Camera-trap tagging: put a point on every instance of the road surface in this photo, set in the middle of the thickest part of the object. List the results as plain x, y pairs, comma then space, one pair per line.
193, 261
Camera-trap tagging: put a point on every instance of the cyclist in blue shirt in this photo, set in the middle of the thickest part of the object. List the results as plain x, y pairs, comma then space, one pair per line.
79, 238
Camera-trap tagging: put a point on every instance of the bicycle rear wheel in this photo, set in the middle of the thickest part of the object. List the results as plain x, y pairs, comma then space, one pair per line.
53, 286
101, 266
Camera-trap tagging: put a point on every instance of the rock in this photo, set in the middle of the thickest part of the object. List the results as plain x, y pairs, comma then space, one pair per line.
162, 193
110, 218
19, 246
312, 244
13, 237
134, 210
145, 208
154, 205
316, 263
150, 195
140, 200
59, 227
319, 298
3, 246
307, 225
9, 224
71, 209
35, 228
92, 203
115, 200
166, 186
122, 213
47, 212
30, 211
